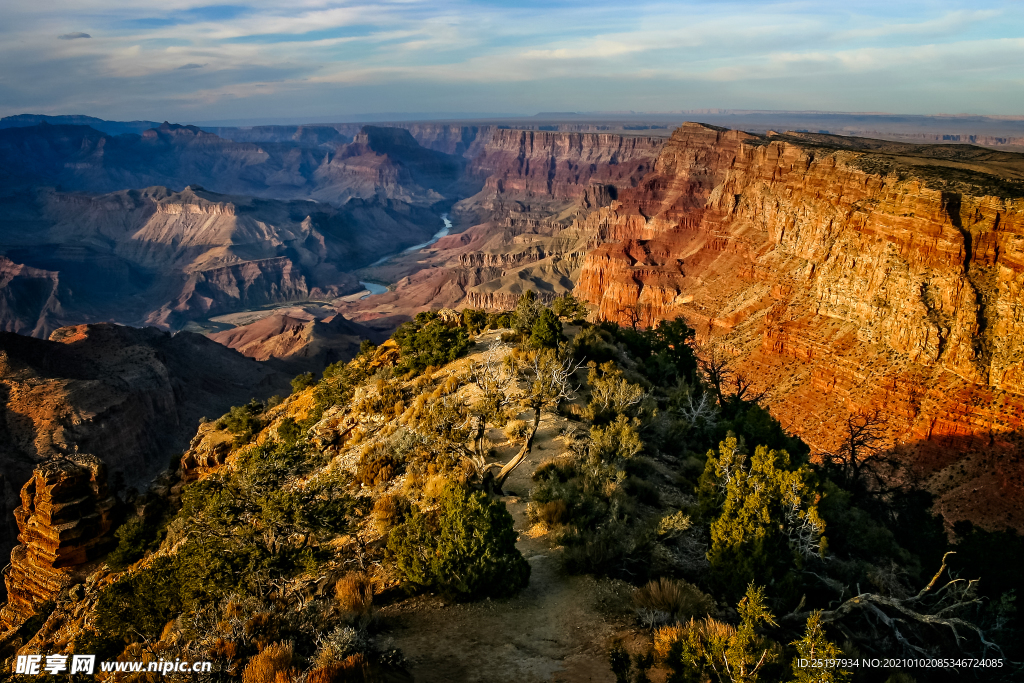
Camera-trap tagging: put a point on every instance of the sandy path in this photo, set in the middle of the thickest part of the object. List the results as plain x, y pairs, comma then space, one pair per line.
558, 629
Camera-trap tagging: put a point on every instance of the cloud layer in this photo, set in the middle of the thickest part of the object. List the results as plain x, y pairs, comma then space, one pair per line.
320, 59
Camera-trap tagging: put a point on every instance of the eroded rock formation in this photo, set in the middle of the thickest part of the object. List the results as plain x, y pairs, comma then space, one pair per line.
64, 521
302, 337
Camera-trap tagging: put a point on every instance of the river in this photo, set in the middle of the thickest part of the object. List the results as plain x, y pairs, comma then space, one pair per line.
380, 289
416, 247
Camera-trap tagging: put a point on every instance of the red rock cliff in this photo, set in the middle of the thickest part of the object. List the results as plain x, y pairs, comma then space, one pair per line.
843, 280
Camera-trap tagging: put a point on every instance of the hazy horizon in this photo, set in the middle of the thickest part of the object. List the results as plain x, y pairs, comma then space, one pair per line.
317, 60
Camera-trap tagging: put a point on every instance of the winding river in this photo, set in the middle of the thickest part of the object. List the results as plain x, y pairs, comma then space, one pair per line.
380, 289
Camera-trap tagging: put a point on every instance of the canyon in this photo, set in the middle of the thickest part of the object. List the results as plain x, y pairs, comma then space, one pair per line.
842, 274
150, 281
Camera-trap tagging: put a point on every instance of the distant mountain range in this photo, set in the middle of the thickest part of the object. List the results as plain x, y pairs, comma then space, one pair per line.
108, 127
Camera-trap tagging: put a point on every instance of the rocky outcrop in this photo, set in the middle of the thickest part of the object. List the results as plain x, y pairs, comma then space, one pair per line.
64, 522
30, 299
843, 280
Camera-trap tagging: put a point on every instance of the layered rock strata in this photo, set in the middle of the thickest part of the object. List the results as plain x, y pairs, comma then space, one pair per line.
562, 165
64, 522
843, 281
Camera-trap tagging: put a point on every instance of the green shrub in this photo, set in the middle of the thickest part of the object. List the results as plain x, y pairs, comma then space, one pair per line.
546, 332
615, 549
644, 491
499, 321
303, 381
474, 319
526, 312
427, 341
569, 307
133, 541
466, 551
289, 431
366, 347
243, 421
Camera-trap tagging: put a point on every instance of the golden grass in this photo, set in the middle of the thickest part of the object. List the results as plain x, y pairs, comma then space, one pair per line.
271, 665
678, 598
354, 593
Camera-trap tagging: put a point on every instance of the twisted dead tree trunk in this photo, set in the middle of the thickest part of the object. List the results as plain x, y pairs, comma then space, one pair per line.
551, 383
933, 606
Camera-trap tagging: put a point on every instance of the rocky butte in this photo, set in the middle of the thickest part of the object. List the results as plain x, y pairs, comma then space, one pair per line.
842, 275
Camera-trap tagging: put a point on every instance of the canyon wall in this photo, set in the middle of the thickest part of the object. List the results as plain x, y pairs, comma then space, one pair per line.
842, 281
158, 257
561, 165
131, 397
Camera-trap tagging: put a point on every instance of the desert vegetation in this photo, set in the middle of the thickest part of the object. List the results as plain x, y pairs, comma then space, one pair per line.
386, 479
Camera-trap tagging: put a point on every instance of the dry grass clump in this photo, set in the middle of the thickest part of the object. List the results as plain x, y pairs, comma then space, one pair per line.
448, 386
517, 430
552, 513
434, 487
667, 599
354, 669
388, 511
377, 465
705, 630
224, 649
271, 665
354, 593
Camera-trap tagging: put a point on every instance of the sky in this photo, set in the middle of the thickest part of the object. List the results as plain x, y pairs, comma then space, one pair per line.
187, 61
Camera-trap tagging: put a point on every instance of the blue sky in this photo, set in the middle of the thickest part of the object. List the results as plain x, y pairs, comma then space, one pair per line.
321, 60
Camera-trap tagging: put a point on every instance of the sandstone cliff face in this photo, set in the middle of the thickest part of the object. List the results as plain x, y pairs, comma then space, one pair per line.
840, 287
64, 521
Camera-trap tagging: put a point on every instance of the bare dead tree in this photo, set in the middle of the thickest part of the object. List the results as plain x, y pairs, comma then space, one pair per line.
745, 390
551, 383
631, 314
716, 366
871, 618
702, 412
497, 379
860, 462
716, 369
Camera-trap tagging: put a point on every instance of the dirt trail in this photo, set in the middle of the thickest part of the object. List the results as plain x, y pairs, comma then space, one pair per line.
558, 629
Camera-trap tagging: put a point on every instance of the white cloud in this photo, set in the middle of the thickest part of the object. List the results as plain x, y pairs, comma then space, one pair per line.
314, 49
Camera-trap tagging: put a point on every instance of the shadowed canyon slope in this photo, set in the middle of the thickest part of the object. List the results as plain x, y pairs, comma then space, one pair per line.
843, 276
131, 397
154, 256
300, 215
